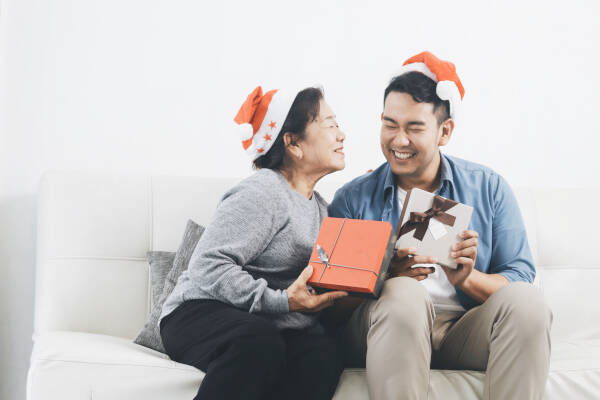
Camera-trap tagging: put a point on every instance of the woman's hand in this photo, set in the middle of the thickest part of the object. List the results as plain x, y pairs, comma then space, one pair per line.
300, 299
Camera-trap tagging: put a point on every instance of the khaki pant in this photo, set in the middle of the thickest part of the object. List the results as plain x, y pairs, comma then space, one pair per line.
398, 338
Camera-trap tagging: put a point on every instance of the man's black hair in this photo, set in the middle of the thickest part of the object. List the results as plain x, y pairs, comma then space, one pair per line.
422, 89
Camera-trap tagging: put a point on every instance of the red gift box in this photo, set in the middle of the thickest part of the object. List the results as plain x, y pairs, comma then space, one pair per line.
352, 255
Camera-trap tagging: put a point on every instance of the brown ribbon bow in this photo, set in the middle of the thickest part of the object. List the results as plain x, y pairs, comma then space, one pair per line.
420, 221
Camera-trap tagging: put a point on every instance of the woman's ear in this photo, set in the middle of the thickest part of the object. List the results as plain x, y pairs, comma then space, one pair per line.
291, 145
446, 129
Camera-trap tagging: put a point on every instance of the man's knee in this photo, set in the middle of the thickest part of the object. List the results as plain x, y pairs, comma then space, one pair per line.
526, 308
404, 305
405, 289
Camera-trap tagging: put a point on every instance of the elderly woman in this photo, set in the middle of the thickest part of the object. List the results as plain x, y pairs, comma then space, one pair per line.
242, 311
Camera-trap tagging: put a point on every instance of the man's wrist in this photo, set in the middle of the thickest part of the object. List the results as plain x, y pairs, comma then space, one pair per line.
467, 283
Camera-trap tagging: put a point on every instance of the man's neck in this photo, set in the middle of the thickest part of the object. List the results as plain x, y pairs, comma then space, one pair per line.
428, 181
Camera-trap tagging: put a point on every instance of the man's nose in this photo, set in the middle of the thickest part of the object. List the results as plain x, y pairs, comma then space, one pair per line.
401, 139
341, 136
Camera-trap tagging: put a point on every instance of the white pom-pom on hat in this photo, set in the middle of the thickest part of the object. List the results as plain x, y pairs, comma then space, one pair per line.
245, 131
447, 90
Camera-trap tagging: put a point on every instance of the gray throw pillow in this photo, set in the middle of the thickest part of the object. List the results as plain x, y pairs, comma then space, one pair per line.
161, 263
150, 334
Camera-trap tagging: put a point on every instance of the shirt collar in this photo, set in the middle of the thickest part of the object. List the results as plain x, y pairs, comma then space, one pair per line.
389, 182
446, 170
445, 175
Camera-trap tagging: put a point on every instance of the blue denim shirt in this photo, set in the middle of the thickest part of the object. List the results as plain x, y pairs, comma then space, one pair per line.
503, 247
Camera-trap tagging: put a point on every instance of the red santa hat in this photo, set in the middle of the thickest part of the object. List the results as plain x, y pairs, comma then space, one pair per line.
449, 86
261, 117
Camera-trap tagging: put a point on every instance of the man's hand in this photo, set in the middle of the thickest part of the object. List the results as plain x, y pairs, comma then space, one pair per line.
404, 259
301, 299
464, 253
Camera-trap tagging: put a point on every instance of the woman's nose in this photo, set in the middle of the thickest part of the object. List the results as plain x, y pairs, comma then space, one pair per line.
341, 136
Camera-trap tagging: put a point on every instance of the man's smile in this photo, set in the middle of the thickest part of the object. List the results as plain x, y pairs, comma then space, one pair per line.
403, 155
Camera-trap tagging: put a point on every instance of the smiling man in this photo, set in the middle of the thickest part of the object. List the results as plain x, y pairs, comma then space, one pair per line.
483, 316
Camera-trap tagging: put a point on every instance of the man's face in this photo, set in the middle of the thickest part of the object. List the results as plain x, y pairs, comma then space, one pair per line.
410, 135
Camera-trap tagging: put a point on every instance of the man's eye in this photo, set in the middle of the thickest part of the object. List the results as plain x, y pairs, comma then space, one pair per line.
389, 127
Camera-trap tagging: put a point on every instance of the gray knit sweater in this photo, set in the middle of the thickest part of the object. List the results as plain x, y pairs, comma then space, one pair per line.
257, 243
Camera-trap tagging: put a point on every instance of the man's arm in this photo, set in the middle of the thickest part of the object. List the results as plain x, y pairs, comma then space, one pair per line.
480, 285
476, 284
511, 255
511, 258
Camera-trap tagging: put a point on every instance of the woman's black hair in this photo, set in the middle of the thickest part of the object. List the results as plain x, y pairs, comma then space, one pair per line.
422, 89
304, 109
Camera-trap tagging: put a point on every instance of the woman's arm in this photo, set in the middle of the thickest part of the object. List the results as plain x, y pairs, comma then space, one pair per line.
244, 224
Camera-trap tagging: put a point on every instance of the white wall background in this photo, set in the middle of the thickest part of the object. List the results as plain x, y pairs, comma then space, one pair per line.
152, 86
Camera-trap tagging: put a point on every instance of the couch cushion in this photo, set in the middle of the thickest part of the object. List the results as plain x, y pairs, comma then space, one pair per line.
572, 293
93, 233
567, 243
72, 365
107, 296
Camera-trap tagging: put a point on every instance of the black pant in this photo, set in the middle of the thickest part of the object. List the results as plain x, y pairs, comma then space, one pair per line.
246, 357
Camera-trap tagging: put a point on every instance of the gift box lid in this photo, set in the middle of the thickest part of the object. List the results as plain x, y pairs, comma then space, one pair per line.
354, 252
435, 226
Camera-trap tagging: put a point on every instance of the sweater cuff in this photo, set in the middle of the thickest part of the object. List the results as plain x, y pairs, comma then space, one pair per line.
276, 301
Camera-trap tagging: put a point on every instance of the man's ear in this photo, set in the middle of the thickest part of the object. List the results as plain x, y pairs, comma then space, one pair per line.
290, 142
446, 129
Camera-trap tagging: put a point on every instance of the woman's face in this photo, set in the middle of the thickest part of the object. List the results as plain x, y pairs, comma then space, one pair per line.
322, 146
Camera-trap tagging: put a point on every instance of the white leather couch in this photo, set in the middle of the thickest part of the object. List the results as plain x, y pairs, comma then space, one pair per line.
92, 288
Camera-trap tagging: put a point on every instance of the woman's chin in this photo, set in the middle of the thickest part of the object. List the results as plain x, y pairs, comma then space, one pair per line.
338, 166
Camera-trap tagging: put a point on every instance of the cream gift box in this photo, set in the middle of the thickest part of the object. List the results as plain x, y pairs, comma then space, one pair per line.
432, 225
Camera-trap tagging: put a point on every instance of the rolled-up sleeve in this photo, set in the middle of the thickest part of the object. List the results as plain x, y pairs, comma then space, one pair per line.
511, 256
